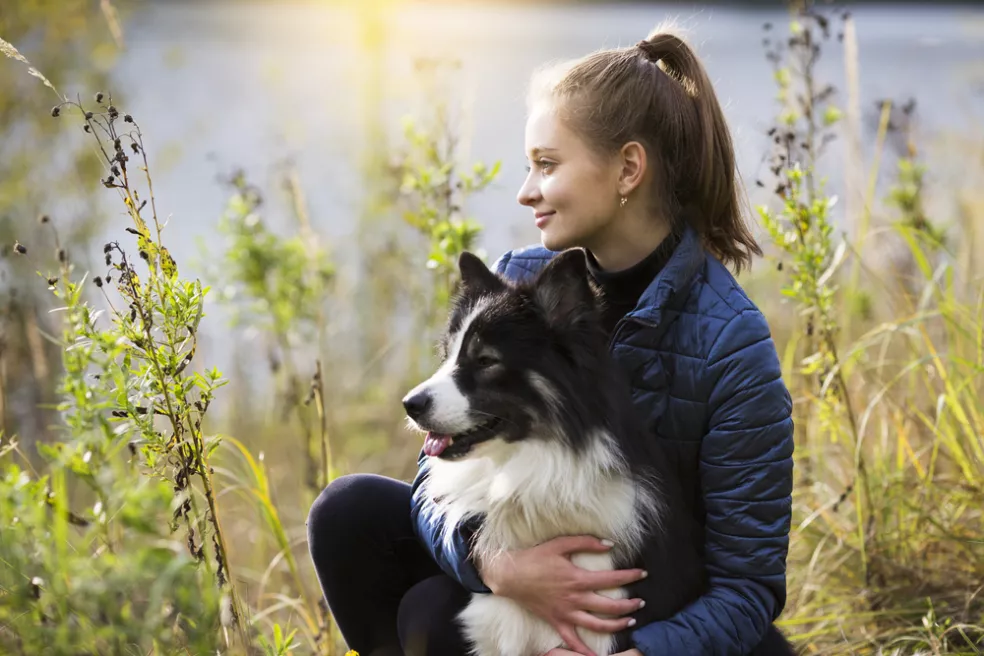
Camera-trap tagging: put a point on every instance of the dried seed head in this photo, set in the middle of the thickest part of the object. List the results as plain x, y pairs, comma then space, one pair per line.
117, 143
88, 116
56, 111
44, 218
128, 118
98, 281
113, 113
62, 255
52, 282
20, 248
107, 248
99, 97
144, 255
115, 170
86, 128
109, 259
135, 147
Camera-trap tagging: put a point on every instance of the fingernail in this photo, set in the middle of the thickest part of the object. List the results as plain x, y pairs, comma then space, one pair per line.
632, 622
644, 574
642, 603
607, 543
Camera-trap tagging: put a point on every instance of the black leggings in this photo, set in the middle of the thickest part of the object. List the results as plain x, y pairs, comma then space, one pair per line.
387, 595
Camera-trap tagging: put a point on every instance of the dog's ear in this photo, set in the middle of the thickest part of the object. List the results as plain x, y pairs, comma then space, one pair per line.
476, 278
563, 289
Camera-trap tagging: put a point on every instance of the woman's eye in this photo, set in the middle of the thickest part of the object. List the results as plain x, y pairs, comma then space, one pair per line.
543, 165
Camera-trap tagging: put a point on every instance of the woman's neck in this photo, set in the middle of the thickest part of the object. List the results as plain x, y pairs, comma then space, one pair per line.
627, 242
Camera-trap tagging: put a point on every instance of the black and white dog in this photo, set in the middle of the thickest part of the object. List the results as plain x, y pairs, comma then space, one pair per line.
529, 424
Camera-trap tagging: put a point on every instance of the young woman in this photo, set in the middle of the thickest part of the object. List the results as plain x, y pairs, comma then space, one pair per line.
630, 159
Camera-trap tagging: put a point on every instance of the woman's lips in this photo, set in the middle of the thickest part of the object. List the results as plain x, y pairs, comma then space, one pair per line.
542, 218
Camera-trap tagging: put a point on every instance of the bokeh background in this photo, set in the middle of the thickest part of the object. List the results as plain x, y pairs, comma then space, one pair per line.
306, 105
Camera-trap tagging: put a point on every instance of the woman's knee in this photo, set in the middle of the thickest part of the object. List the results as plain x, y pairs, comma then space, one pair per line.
352, 502
337, 504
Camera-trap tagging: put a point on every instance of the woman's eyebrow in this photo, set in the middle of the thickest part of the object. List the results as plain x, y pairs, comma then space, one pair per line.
539, 150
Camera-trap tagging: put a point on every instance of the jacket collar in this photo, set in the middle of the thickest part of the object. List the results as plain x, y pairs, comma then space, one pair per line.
671, 284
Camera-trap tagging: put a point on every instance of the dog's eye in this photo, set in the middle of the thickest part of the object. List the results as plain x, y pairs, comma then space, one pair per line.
486, 360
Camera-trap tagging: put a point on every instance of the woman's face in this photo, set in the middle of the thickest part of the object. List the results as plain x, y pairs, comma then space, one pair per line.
572, 191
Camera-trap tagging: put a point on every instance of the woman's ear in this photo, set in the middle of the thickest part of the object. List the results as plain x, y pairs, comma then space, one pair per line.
633, 164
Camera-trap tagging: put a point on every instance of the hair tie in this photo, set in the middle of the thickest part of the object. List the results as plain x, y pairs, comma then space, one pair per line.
646, 47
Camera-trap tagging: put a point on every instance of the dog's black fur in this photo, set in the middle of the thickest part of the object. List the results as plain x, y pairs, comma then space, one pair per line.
551, 326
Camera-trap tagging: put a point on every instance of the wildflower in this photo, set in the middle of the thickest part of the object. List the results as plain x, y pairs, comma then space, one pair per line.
20, 248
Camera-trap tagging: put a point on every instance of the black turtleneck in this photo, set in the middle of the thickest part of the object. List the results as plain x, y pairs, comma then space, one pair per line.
620, 290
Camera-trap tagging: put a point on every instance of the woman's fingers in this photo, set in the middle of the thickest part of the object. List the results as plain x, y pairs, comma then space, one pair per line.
569, 544
569, 634
610, 579
598, 604
599, 625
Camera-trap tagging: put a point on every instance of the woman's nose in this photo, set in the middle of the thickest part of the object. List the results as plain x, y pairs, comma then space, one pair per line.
528, 194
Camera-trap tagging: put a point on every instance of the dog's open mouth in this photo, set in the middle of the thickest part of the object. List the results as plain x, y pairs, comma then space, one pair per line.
455, 446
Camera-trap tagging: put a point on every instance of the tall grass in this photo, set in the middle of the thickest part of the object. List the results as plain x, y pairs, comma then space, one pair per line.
887, 547
155, 526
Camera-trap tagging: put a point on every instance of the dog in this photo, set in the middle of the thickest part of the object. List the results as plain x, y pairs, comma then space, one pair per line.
529, 425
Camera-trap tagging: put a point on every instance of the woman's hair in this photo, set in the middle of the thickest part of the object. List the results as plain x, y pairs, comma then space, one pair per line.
657, 93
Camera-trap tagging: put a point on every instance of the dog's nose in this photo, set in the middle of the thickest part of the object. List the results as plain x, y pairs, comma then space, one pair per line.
417, 404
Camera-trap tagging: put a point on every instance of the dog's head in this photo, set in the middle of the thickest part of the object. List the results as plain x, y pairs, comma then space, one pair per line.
520, 362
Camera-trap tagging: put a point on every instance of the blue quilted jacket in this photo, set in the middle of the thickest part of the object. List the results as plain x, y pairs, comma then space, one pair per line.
710, 383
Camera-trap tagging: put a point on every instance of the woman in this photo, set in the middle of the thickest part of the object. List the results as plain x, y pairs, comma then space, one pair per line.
632, 160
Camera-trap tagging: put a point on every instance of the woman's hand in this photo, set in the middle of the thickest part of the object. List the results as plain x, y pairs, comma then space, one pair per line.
564, 652
544, 580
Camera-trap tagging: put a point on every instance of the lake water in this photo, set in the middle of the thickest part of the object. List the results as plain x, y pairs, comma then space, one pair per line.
217, 86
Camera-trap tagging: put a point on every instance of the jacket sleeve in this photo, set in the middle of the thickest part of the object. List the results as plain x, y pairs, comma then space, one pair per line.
746, 479
453, 556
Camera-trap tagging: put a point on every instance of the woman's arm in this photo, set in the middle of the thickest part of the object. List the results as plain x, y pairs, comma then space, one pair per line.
452, 556
746, 477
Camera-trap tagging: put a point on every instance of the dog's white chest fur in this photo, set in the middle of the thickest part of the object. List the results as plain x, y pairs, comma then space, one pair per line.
531, 492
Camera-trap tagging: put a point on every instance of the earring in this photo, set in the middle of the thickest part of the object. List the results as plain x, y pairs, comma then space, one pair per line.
622, 202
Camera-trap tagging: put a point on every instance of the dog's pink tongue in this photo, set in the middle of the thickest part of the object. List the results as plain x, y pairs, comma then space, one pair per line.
435, 443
